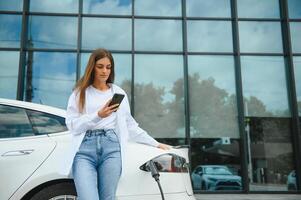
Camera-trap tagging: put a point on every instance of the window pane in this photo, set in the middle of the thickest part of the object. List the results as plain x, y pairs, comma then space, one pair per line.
158, 35
10, 30
212, 92
294, 8
297, 69
11, 5
14, 122
268, 132
56, 6
271, 155
53, 77
264, 97
209, 36
158, 7
260, 37
295, 28
205, 8
104, 32
214, 126
258, 8
9, 74
43, 123
159, 99
123, 7
123, 70
52, 32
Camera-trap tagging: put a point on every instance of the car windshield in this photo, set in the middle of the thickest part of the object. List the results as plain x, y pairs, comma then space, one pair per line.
217, 171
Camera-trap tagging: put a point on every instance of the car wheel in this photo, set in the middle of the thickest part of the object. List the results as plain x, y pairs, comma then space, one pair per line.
60, 191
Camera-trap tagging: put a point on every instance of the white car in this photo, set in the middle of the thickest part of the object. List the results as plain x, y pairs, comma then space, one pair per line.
33, 138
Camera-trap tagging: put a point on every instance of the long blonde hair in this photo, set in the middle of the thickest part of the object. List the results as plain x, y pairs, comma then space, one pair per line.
87, 79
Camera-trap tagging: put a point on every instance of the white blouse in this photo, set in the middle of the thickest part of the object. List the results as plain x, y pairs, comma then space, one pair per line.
78, 123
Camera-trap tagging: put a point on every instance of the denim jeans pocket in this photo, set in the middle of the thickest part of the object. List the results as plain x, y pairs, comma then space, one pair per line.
112, 137
87, 141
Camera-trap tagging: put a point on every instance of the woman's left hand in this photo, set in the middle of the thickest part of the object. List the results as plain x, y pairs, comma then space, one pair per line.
164, 146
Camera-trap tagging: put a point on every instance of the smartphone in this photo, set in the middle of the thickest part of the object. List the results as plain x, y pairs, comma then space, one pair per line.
117, 99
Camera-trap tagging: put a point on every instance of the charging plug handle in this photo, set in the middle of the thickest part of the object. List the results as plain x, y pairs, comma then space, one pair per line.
154, 170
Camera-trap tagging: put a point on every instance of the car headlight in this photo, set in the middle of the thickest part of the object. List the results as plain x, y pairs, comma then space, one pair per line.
168, 163
212, 179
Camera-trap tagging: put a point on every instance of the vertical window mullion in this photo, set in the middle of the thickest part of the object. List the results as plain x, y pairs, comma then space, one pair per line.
240, 104
133, 60
22, 60
287, 45
186, 81
79, 39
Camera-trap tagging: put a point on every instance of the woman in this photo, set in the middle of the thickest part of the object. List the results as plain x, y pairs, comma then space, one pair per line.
100, 132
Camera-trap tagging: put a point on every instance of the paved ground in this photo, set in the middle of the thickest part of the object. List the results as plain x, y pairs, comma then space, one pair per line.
247, 197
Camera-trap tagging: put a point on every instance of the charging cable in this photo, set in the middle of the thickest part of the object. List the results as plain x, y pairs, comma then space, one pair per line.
155, 175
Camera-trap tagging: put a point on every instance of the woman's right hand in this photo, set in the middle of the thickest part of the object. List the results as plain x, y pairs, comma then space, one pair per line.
107, 110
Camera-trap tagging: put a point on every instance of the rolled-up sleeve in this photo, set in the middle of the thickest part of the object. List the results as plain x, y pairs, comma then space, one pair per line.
77, 122
136, 133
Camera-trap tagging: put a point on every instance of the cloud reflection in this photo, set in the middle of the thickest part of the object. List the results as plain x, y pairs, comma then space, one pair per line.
58, 6
10, 30
160, 70
158, 35
297, 70
263, 37
296, 36
272, 91
53, 78
158, 7
117, 7
108, 33
205, 8
11, 5
9, 74
294, 8
53, 32
209, 36
258, 8
219, 68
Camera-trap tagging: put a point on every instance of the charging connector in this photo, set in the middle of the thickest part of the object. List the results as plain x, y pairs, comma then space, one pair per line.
156, 175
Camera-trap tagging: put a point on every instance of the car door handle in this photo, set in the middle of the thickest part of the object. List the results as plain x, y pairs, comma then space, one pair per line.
18, 152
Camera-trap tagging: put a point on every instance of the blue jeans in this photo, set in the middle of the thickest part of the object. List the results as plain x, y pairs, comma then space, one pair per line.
97, 166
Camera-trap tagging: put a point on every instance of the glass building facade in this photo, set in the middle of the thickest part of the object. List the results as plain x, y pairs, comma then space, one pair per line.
223, 76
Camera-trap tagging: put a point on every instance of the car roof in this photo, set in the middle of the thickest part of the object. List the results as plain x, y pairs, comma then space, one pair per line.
34, 106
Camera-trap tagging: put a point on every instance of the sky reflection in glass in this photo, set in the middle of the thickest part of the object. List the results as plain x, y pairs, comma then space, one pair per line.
54, 77
10, 30
9, 68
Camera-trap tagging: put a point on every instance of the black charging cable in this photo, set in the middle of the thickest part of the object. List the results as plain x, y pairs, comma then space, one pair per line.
155, 175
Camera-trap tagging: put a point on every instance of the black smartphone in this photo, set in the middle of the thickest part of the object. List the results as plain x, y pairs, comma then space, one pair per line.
117, 99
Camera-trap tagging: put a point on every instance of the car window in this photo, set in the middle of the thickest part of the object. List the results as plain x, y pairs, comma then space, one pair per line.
14, 122
217, 171
198, 170
44, 123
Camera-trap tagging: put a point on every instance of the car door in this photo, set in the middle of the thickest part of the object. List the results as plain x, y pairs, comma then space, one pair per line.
21, 150
196, 178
